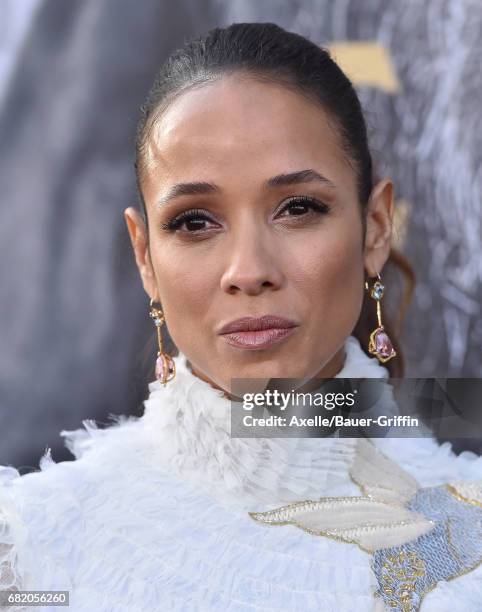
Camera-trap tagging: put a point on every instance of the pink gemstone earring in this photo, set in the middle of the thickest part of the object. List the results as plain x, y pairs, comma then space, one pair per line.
165, 366
380, 344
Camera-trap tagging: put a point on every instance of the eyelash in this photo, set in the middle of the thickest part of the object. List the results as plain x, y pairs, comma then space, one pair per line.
174, 224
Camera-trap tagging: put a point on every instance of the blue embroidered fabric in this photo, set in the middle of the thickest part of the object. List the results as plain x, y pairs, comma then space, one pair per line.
453, 547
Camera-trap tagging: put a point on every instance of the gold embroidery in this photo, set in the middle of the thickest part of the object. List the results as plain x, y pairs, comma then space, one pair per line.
384, 487
368, 523
461, 497
398, 578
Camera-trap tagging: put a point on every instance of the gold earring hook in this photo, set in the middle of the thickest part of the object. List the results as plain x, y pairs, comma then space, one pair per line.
366, 282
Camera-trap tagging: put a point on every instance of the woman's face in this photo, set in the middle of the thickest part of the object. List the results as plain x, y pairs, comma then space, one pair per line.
290, 246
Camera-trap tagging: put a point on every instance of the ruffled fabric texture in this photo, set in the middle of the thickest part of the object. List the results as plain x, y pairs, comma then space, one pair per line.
12, 533
25, 560
189, 423
153, 512
126, 546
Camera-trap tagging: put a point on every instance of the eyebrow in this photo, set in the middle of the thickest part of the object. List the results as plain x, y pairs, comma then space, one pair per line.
280, 180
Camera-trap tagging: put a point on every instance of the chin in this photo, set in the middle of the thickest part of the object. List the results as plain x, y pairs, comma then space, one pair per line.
274, 368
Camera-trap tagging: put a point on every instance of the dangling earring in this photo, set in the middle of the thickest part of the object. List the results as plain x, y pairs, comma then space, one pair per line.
165, 365
380, 344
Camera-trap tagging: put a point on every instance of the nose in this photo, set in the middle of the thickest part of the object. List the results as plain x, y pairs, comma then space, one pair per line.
252, 264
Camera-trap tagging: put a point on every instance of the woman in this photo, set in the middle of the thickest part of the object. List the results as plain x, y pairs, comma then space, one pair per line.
260, 243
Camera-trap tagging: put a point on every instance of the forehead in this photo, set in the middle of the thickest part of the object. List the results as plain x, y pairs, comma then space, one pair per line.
240, 129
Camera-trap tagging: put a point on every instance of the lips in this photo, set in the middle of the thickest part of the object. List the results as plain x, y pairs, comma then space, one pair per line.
257, 333
253, 324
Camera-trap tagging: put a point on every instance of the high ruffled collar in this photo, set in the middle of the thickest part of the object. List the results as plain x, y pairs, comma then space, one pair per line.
189, 423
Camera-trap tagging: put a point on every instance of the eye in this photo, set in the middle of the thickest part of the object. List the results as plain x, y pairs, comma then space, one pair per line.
194, 220
299, 205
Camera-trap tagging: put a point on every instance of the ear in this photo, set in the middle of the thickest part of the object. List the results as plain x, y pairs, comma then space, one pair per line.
139, 240
379, 225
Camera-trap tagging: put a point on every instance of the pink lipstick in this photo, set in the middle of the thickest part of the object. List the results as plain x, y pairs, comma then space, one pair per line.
257, 332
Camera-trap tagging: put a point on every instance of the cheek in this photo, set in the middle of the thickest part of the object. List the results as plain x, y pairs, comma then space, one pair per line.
186, 289
327, 270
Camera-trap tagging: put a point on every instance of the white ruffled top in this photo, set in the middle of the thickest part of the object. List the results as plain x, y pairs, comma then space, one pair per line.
194, 437
153, 512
